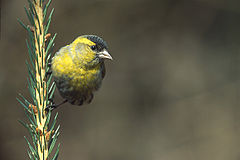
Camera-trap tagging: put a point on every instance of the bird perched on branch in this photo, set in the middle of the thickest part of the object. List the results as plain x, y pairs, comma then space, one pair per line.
78, 69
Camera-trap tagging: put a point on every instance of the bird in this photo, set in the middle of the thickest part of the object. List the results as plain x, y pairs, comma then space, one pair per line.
78, 69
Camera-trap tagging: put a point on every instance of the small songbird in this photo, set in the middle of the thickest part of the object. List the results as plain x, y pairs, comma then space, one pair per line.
78, 69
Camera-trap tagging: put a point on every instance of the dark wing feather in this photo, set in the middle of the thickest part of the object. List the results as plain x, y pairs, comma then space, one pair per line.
103, 70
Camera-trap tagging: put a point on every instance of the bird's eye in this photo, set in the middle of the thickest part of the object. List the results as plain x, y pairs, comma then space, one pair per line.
93, 47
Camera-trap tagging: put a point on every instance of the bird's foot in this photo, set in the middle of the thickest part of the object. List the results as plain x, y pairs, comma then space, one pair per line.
53, 106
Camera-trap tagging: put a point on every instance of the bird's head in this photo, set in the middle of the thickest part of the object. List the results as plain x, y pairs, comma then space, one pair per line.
90, 50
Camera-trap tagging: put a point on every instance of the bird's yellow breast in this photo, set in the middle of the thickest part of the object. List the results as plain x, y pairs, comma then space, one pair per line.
79, 76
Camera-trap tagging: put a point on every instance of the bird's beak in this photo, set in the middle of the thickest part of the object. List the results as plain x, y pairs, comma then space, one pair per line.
105, 55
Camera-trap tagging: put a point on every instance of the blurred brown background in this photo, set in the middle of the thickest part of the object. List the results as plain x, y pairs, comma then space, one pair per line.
171, 93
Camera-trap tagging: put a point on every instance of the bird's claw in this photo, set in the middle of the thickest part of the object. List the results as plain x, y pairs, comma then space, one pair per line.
53, 106
49, 108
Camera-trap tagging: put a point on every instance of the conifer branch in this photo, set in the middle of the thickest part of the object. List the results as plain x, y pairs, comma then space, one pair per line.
40, 85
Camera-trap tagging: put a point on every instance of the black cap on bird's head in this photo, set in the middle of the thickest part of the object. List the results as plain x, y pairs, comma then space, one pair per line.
101, 46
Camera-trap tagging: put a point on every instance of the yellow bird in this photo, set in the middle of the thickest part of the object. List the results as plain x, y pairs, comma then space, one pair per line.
78, 69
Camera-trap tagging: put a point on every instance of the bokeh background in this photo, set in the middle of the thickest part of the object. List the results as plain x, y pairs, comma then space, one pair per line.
171, 93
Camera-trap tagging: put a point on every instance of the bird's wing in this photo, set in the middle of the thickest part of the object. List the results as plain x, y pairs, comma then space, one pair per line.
103, 70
